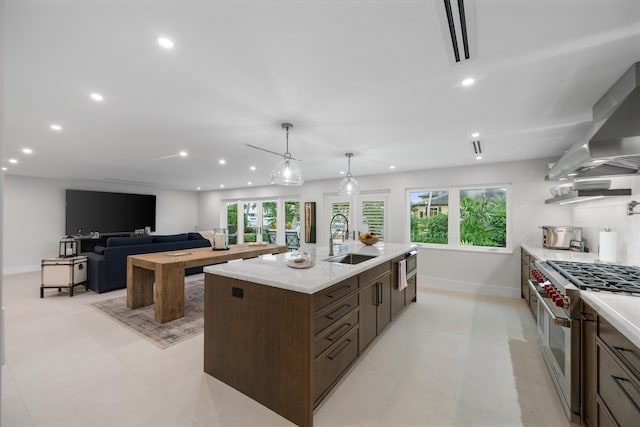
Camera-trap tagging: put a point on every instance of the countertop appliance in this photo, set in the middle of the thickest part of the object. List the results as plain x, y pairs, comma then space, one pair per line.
558, 285
560, 237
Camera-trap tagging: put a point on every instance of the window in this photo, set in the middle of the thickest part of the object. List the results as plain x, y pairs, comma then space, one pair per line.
467, 218
367, 212
373, 215
429, 219
232, 222
483, 217
264, 220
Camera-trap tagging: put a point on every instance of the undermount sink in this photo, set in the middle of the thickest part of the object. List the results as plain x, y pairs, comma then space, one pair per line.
350, 258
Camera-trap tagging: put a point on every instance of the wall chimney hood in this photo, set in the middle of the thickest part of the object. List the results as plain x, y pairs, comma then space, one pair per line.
612, 145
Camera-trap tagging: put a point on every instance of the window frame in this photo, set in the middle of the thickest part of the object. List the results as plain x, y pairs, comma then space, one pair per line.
453, 220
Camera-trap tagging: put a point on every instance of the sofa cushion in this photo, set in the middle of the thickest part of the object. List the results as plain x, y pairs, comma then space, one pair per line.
128, 241
99, 250
171, 238
195, 236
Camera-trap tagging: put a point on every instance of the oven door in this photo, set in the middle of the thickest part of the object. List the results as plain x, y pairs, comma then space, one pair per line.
554, 334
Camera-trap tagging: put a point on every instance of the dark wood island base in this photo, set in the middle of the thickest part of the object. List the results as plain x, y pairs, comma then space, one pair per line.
287, 349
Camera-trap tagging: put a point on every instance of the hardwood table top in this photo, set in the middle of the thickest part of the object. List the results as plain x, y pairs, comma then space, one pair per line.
203, 256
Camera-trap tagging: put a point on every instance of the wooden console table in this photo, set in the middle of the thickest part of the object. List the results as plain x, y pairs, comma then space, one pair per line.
167, 270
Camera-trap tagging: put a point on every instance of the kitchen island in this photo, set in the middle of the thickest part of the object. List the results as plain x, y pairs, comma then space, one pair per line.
285, 336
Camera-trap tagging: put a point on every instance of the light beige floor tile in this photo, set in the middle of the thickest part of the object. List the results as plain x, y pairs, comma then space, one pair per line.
452, 359
362, 396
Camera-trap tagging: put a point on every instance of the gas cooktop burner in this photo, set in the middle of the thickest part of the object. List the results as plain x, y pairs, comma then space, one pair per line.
605, 277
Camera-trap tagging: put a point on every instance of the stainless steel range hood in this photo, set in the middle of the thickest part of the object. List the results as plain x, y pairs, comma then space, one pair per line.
612, 145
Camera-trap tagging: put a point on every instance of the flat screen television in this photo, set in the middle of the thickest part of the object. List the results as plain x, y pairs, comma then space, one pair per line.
109, 213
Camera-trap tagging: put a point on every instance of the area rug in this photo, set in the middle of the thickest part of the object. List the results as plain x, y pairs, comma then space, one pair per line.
141, 320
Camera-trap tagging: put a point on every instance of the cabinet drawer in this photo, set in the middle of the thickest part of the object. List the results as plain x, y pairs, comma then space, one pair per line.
335, 313
373, 273
619, 345
333, 362
617, 390
338, 330
334, 293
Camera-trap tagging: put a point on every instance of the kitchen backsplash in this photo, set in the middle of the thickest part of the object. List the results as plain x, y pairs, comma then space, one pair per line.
611, 213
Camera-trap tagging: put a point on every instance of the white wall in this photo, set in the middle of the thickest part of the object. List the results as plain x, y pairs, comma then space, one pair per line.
611, 213
34, 216
2, 38
466, 271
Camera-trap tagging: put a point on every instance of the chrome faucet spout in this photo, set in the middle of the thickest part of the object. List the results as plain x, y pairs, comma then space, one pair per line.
345, 233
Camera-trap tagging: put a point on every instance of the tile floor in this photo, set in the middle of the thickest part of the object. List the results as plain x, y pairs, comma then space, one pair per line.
449, 360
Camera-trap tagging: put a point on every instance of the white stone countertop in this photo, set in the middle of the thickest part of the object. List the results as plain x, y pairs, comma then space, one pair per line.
622, 311
558, 254
272, 270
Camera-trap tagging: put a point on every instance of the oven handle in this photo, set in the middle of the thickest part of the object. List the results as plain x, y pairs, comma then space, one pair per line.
533, 286
560, 321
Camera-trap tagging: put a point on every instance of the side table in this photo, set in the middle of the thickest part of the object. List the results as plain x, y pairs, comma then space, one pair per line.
64, 273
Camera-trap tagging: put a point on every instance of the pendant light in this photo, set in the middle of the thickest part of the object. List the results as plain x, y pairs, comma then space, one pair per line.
287, 171
348, 186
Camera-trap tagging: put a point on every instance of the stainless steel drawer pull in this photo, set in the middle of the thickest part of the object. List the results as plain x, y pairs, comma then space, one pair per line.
340, 332
340, 312
339, 350
618, 381
619, 352
340, 292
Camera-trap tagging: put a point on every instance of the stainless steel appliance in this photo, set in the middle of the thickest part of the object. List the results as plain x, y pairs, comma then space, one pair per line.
560, 237
558, 285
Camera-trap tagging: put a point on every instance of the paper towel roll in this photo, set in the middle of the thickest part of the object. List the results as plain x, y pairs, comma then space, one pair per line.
608, 246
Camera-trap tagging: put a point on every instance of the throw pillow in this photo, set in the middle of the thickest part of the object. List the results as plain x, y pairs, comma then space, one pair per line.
99, 250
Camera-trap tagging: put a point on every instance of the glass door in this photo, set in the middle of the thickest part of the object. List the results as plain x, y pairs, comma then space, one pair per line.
269, 221
292, 224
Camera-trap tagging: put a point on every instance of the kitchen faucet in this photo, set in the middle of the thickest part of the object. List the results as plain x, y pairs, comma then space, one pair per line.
345, 233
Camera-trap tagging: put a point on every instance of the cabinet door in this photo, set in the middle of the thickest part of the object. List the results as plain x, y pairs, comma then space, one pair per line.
383, 314
588, 372
368, 309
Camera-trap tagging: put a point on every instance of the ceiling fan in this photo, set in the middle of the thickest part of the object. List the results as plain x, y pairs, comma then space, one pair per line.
286, 154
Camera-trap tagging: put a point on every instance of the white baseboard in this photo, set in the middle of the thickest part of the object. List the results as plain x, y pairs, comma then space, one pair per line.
21, 269
468, 287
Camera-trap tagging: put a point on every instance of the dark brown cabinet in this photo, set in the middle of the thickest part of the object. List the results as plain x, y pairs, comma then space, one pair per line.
610, 374
375, 302
588, 371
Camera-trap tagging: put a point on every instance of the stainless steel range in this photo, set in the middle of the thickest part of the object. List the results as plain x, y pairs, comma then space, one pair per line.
558, 285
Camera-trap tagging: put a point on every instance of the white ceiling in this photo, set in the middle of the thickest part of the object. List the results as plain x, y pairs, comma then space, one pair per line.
370, 77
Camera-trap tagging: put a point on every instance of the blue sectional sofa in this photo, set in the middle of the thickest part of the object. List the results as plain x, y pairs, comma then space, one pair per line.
107, 266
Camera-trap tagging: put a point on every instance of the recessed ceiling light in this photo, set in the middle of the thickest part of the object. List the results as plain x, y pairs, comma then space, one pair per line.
222, 161
249, 183
97, 97
183, 154
14, 161
165, 42
252, 168
198, 188
468, 81
478, 157
341, 172
221, 185
56, 127
475, 135
392, 167
27, 150
4, 168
